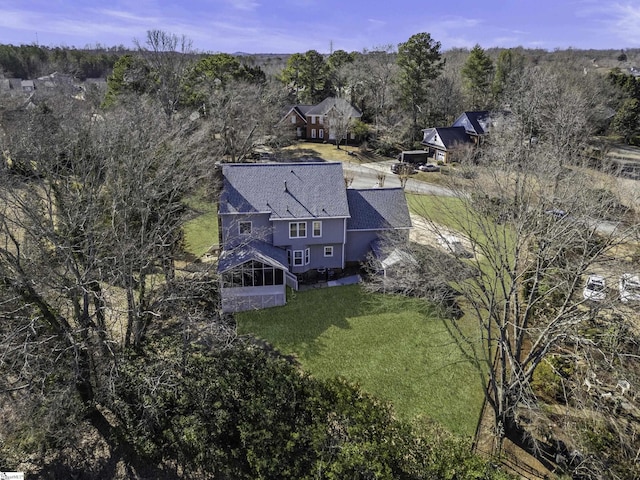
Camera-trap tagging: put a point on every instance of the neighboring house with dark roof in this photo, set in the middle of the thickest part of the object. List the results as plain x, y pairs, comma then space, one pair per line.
476, 124
319, 122
283, 222
468, 129
443, 142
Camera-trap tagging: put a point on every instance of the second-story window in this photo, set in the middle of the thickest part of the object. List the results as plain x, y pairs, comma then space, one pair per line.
244, 228
297, 229
293, 119
317, 228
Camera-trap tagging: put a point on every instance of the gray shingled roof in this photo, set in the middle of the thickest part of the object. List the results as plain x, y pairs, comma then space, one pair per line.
285, 190
254, 250
377, 208
451, 137
476, 123
328, 103
303, 109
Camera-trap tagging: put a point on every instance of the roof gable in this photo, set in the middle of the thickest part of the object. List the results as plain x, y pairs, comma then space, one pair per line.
377, 209
475, 123
285, 190
446, 137
254, 250
329, 103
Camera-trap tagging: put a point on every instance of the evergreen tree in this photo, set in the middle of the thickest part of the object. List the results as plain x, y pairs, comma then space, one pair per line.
627, 119
307, 75
477, 73
420, 62
509, 68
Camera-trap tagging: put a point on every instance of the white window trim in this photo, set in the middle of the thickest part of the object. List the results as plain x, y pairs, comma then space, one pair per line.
298, 258
293, 119
297, 224
320, 133
313, 133
244, 222
307, 256
328, 251
313, 228
321, 120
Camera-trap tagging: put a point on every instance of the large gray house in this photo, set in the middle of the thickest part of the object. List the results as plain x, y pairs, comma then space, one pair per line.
280, 222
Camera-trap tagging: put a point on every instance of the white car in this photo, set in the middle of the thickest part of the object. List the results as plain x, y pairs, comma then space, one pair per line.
429, 167
630, 288
595, 288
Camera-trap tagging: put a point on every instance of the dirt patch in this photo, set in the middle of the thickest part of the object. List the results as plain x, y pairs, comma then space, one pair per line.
432, 234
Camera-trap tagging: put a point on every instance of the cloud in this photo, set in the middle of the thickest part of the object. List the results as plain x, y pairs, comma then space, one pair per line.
245, 5
626, 22
375, 23
459, 22
620, 20
126, 16
454, 31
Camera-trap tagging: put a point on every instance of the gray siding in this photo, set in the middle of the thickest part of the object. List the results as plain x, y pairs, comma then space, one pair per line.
332, 232
359, 245
332, 235
359, 242
318, 260
260, 228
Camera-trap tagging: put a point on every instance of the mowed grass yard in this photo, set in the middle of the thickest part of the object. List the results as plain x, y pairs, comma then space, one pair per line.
201, 232
394, 347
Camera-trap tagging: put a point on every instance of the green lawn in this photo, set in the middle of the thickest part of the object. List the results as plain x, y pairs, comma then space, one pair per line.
201, 232
394, 347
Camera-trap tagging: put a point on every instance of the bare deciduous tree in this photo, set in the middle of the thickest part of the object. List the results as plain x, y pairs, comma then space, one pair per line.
90, 217
169, 56
535, 223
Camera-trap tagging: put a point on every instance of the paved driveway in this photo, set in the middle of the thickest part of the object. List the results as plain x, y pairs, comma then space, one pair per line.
365, 176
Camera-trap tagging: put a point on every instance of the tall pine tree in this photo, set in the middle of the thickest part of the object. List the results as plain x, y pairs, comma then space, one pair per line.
478, 74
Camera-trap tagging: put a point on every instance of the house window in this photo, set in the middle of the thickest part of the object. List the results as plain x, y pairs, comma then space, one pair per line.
328, 251
317, 228
297, 229
293, 119
320, 120
298, 258
313, 120
252, 274
307, 256
353, 136
321, 133
244, 228
313, 133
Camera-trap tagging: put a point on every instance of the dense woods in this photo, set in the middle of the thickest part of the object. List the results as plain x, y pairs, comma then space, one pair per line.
115, 359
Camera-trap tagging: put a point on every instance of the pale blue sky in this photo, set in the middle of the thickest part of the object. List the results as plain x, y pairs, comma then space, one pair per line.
290, 26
